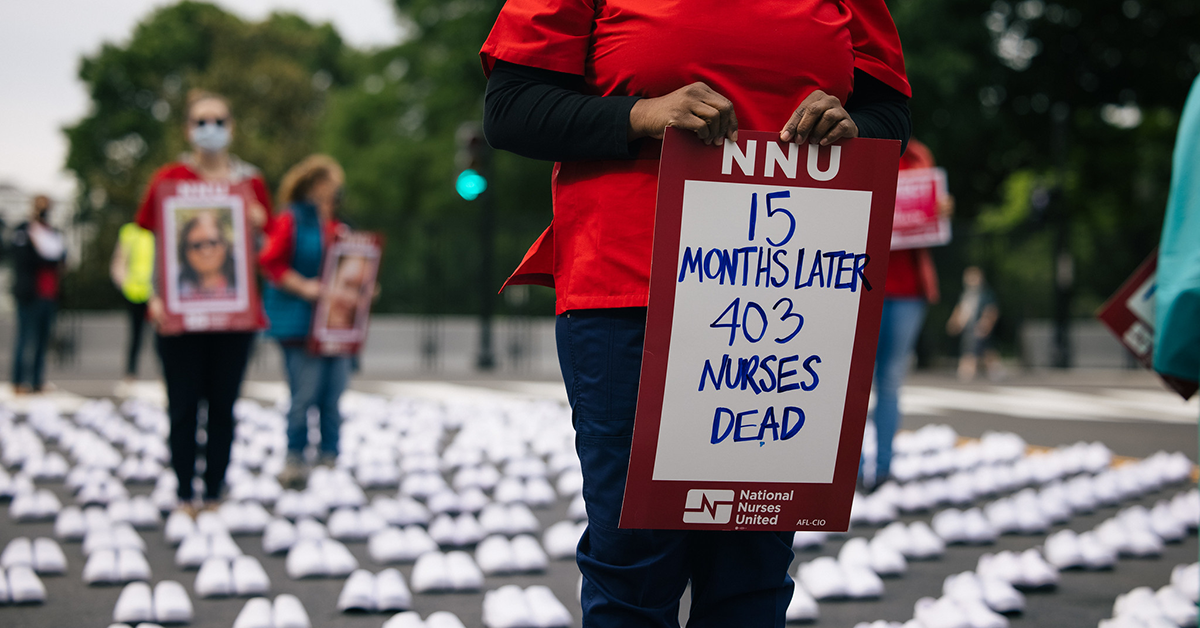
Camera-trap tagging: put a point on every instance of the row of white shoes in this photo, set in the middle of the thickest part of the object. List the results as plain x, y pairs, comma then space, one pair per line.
280, 534
533, 607
368, 592
562, 539
1134, 531
998, 595
497, 555
412, 619
956, 612
168, 604
508, 519
116, 566
354, 524
1027, 570
35, 505
42, 554
104, 535
222, 577
19, 584
200, 545
828, 578
1172, 606
393, 545
450, 571
285, 612
915, 541
968, 526
319, 558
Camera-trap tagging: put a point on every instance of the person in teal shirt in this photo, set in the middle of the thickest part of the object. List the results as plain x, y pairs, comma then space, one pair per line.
1177, 306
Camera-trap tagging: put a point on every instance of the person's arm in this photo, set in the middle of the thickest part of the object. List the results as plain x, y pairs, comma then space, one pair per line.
879, 111
542, 114
116, 268
275, 260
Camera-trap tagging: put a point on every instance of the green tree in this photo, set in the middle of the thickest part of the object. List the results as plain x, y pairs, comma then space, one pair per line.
1049, 114
276, 74
394, 131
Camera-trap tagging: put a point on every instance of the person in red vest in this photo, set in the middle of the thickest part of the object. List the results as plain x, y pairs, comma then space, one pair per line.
593, 86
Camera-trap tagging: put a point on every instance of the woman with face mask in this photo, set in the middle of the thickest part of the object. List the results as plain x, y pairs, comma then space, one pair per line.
205, 366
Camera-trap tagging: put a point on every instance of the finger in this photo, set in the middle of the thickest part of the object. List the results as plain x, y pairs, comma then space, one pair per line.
825, 127
727, 119
842, 130
712, 121
795, 128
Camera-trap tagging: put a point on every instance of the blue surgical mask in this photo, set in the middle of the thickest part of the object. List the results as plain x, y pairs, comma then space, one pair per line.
210, 138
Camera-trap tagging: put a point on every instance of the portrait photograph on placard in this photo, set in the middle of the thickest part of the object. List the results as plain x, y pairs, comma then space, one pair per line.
348, 279
205, 254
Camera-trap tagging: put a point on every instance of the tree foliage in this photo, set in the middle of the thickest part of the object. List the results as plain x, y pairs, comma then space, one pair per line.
276, 74
394, 130
1044, 114
1049, 114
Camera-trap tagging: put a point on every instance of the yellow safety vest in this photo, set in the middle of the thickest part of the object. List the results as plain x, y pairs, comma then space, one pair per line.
138, 244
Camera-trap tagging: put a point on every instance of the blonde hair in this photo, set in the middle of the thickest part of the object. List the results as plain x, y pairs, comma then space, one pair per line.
300, 178
196, 95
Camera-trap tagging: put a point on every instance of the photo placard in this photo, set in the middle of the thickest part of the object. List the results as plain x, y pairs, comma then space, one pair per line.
340, 318
205, 261
766, 289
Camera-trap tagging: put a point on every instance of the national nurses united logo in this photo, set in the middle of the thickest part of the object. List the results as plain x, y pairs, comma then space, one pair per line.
705, 505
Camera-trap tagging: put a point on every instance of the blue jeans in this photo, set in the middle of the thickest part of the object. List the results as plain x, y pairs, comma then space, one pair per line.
35, 324
314, 381
634, 578
898, 331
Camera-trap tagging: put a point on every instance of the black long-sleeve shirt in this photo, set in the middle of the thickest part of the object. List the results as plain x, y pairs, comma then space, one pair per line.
542, 114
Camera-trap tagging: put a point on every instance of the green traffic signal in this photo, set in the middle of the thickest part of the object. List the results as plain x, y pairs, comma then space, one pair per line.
470, 184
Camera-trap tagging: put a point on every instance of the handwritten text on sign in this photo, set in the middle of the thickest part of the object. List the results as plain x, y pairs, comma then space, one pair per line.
760, 371
766, 287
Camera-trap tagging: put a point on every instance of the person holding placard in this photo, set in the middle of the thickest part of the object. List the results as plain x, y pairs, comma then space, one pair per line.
203, 366
291, 259
911, 285
593, 86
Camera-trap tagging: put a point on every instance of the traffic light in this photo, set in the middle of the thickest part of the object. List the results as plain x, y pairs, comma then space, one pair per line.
471, 161
470, 184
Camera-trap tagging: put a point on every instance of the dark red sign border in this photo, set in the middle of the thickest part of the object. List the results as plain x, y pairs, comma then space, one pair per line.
1117, 317
246, 319
869, 165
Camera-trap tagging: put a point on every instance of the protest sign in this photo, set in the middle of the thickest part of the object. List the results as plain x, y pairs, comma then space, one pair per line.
765, 295
205, 261
917, 223
1129, 315
339, 325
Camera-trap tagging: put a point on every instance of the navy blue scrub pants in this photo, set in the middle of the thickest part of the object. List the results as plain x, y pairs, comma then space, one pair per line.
635, 578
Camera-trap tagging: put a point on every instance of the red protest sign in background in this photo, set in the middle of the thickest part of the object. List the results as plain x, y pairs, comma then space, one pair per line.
917, 223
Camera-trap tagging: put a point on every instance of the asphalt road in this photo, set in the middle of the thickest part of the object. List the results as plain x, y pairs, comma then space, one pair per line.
1082, 598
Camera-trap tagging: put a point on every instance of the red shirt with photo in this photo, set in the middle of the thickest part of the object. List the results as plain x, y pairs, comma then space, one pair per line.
766, 57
